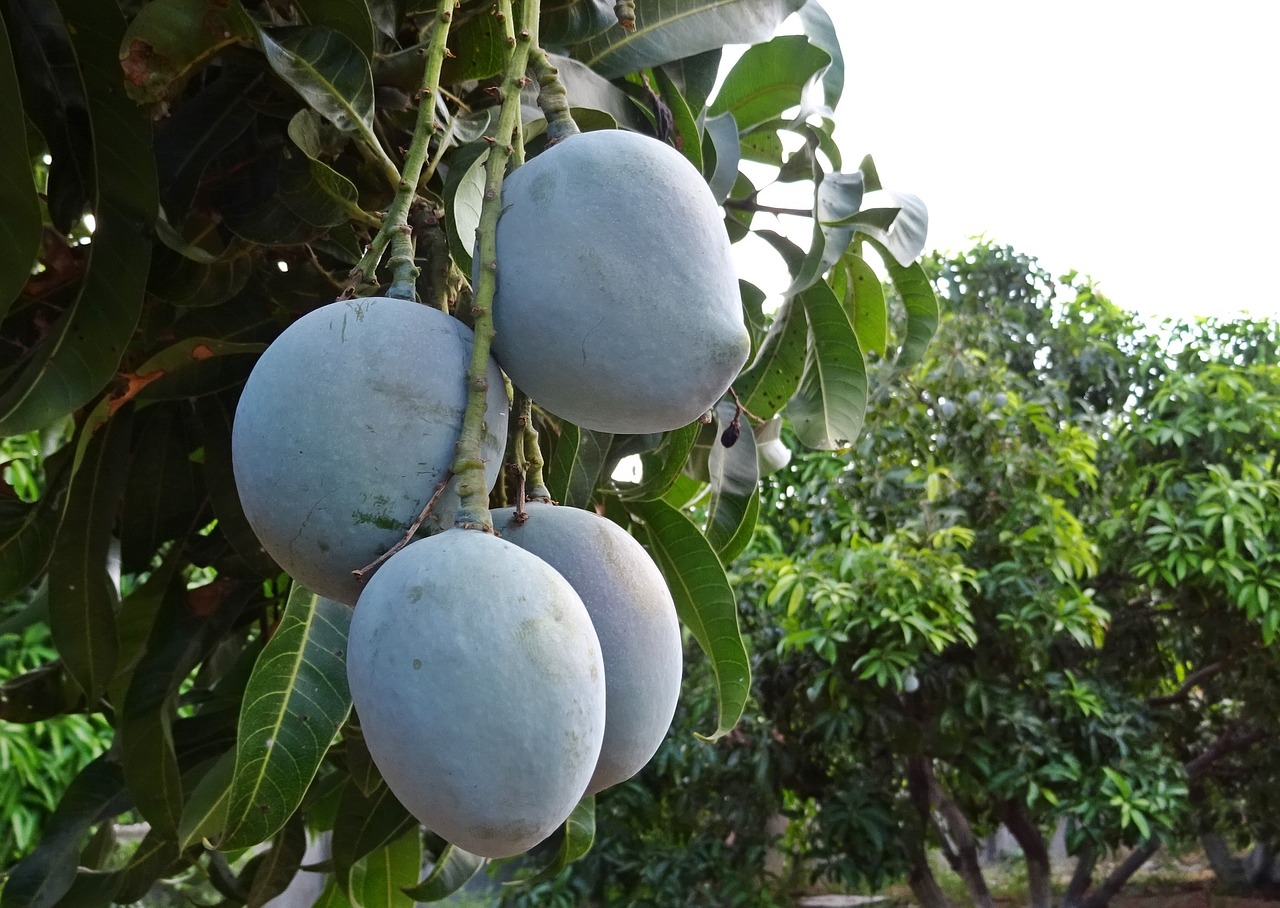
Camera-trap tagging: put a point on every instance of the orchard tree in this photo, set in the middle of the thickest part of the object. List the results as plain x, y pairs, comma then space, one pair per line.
256, 257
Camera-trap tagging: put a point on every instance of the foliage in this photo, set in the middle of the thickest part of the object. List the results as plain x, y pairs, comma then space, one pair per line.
189, 178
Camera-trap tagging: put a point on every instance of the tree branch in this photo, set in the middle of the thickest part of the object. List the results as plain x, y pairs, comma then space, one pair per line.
1203, 673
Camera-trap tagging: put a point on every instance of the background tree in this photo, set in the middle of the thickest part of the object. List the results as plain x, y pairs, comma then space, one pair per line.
184, 178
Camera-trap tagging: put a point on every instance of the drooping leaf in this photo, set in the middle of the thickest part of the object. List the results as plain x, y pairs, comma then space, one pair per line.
317, 193
450, 872
773, 376
44, 875
662, 466
161, 499
82, 351
918, 298
327, 70
821, 32
381, 878
838, 196
695, 77
571, 21
40, 694
82, 595
689, 138
28, 529
856, 284
735, 479
704, 601
279, 866
769, 80
350, 17
148, 863
828, 407
20, 226
205, 814
724, 149
169, 40
296, 701
463, 195
669, 30
905, 236
577, 465
195, 367
365, 823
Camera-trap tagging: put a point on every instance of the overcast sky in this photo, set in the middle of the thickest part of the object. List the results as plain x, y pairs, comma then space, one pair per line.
1132, 141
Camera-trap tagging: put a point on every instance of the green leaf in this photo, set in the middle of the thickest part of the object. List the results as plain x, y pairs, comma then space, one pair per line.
381, 879
828, 407
82, 596
205, 814
463, 196
577, 465
856, 284
327, 70
169, 40
29, 530
573, 840
366, 823
669, 30
704, 601
662, 466
769, 80
837, 197
686, 123
721, 155
570, 21
161, 499
280, 865
20, 226
735, 479
920, 301
296, 701
349, 17
450, 872
905, 236
822, 33
696, 76
769, 382
148, 863
83, 349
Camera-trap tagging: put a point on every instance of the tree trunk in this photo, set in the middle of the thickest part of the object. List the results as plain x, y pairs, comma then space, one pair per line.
923, 886
964, 844
1228, 868
1082, 878
1101, 897
1029, 839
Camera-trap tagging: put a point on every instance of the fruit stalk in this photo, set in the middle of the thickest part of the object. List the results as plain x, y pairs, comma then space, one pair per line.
552, 97
468, 464
395, 229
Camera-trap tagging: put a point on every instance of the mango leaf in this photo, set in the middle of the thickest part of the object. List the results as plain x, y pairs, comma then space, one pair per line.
360, 766
327, 70
44, 875
463, 195
920, 301
82, 596
380, 880
856, 284
169, 40
317, 193
661, 466
570, 21
769, 382
366, 823
279, 866
821, 32
349, 17
161, 499
82, 351
828, 407
40, 694
450, 872
28, 530
332, 897
572, 840
669, 30
735, 479
695, 76
476, 47
148, 863
689, 137
296, 701
704, 601
837, 197
577, 465
905, 236
20, 226
196, 366
721, 154
769, 80
205, 814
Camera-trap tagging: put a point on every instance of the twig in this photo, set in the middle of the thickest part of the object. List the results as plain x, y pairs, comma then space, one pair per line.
411, 532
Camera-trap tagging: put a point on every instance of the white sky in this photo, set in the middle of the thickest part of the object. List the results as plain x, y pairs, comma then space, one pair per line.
1135, 142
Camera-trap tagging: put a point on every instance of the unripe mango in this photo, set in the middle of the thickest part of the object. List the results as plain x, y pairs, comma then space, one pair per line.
617, 306
346, 425
634, 617
478, 680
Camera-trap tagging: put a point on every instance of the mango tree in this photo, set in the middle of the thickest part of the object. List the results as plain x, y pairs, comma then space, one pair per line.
255, 254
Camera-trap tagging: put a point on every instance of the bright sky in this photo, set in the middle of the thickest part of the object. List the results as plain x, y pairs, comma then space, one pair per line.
1130, 140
